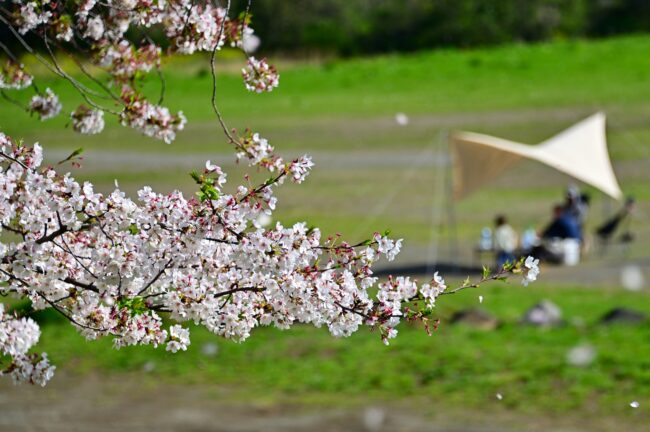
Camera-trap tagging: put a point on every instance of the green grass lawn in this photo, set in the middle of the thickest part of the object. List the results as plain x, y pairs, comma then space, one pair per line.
456, 365
613, 74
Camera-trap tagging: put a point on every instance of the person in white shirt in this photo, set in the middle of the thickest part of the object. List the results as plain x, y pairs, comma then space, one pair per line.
505, 241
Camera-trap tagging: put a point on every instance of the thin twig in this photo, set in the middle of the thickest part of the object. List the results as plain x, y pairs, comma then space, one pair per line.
213, 70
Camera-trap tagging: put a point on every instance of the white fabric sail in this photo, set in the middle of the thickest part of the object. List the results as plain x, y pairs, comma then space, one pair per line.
580, 151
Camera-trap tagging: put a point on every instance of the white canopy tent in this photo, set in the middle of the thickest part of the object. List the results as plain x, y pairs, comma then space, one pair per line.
580, 152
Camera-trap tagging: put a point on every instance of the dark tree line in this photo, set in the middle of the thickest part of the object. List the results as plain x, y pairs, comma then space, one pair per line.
349, 27
352, 27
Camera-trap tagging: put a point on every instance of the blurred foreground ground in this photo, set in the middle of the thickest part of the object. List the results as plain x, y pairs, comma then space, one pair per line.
97, 404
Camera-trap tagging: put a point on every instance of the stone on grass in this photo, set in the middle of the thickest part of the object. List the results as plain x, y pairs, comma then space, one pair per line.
623, 316
149, 366
581, 355
373, 419
401, 119
209, 349
632, 278
476, 318
543, 314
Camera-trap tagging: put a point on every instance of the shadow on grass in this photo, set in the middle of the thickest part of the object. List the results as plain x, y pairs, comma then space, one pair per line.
446, 268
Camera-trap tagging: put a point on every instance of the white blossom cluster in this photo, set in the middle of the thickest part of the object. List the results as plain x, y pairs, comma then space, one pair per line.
14, 77
530, 270
195, 27
179, 339
94, 29
259, 76
152, 120
32, 14
257, 149
87, 121
17, 336
45, 106
101, 27
123, 61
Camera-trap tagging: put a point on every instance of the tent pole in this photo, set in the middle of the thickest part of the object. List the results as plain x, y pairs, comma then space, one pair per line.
451, 209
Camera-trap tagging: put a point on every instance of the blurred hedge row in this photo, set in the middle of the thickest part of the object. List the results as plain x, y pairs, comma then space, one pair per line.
349, 27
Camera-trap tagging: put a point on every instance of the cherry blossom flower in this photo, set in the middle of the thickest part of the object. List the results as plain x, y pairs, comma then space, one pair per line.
87, 121
388, 246
152, 120
123, 61
63, 28
196, 27
300, 168
259, 76
94, 28
433, 289
33, 369
530, 270
179, 339
114, 266
47, 106
17, 336
31, 15
14, 77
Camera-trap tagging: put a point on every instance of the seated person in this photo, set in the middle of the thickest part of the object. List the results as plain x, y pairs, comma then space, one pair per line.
558, 237
563, 226
505, 241
576, 204
529, 239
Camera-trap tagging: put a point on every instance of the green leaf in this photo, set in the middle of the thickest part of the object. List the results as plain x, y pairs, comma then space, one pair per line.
196, 176
135, 305
209, 191
72, 155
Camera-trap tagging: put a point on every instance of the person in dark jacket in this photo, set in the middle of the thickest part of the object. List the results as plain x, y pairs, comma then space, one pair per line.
563, 226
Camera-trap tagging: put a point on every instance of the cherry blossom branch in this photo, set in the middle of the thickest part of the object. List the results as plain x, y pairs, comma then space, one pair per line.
156, 277
83, 90
137, 270
239, 289
13, 159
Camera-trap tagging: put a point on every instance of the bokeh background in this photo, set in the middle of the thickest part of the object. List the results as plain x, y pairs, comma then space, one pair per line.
371, 89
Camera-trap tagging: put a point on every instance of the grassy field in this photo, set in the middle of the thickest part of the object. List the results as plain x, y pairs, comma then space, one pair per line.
458, 366
347, 108
372, 174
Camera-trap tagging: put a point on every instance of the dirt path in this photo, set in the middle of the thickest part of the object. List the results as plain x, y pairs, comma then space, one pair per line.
125, 161
119, 403
95, 404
